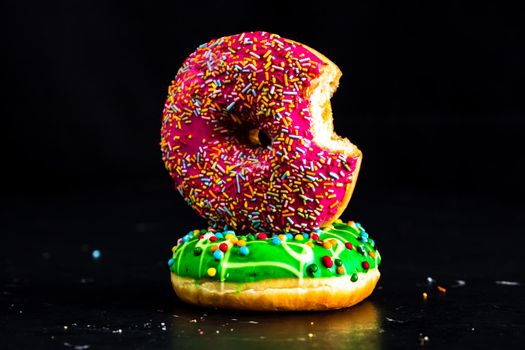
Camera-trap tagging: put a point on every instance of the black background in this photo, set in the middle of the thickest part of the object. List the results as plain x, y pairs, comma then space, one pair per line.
431, 92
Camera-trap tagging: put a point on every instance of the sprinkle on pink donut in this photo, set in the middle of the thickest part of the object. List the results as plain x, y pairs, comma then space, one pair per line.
226, 88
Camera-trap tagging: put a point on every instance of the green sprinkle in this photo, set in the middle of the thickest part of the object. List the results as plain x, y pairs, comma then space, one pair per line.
197, 251
354, 277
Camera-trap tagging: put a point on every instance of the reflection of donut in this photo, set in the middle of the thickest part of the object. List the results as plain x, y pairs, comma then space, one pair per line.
247, 136
328, 269
358, 327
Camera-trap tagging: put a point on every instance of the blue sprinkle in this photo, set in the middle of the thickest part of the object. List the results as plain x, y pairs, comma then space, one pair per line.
289, 219
96, 254
246, 88
364, 234
318, 231
219, 235
171, 262
230, 106
244, 250
333, 175
306, 235
218, 254
289, 236
238, 184
276, 240
185, 239
372, 242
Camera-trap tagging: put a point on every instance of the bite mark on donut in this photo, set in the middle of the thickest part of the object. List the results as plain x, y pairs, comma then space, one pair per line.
322, 90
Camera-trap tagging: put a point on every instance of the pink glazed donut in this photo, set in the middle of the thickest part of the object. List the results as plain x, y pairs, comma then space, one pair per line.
247, 136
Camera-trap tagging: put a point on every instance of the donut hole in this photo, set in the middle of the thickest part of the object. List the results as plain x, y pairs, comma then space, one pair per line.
258, 137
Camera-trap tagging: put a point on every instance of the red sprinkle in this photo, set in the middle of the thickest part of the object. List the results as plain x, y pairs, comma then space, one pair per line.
327, 261
213, 239
223, 247
365, 265
201, 237
262, 235
314, 236
349, 245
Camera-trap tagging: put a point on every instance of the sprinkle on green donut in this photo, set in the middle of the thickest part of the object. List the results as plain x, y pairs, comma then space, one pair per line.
249, 258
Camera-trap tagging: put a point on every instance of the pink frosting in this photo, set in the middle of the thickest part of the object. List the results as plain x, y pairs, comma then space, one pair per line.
227, 87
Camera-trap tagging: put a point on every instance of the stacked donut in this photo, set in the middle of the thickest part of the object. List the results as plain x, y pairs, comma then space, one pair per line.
247, 136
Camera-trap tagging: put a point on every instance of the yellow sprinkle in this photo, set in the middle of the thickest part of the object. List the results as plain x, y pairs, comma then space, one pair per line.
174, 248
333, 241
327, 245
228, 236
338, 221
212, 271
425, 296
310, 244
298, 237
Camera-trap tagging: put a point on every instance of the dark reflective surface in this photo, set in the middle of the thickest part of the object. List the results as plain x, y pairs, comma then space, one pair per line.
55, 294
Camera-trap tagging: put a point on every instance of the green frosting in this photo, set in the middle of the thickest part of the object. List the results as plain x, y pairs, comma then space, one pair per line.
289, 258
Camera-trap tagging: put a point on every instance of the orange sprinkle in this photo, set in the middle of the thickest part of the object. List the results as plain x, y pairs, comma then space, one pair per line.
441, 290
327, 245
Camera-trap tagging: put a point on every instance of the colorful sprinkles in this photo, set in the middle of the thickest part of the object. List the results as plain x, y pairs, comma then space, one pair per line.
226, 89
273, 257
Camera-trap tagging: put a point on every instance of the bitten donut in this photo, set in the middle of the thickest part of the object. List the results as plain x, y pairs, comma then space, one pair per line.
247, 136
332, 268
